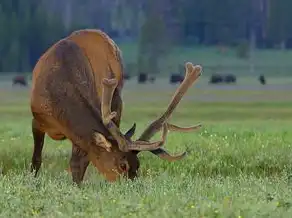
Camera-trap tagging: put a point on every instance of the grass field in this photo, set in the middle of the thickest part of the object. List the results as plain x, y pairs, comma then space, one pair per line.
239, 163
271, 62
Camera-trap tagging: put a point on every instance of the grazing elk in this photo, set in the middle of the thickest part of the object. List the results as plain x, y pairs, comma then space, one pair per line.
19, 80
176, 78
76, 95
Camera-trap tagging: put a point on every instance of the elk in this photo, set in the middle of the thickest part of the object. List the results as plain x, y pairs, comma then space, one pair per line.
76, 95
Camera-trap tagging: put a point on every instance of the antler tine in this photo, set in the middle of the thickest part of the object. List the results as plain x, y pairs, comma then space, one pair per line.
192, 74
108, 91
109, 86
173, 127
163, 154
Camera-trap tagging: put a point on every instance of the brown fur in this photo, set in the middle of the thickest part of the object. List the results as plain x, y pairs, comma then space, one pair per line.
105, 59
65, 103
69, 82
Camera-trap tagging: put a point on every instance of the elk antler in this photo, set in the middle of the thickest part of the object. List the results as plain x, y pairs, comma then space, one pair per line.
109, 86
192, 74
131, 131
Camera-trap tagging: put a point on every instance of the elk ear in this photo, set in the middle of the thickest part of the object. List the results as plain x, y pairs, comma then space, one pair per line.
131, 131
101, 141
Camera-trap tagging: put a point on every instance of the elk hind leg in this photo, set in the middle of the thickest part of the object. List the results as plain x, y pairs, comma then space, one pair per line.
38, 137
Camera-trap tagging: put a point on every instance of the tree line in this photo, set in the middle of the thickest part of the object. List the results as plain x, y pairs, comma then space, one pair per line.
29, 27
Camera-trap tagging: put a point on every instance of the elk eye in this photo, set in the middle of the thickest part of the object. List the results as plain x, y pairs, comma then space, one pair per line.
123, 167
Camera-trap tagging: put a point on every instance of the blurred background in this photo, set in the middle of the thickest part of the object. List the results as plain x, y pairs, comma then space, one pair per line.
240, 162
242, 44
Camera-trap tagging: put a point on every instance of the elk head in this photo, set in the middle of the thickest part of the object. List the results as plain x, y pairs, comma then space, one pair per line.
122, 156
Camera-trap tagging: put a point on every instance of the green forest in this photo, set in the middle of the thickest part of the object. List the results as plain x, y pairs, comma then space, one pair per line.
29, 27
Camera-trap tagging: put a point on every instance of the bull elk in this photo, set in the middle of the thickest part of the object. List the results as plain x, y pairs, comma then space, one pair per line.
76, 95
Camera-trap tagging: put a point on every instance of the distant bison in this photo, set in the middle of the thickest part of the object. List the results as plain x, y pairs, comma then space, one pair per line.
216, 78
176, 78
262, 79
19, 80
142, 78
152, 79
222, 78
230, 78
127, 76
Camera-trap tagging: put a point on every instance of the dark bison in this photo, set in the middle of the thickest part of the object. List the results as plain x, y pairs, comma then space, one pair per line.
222, 78
262, 79
142, 78
216, 78
76, 95
152, 79
230, 78
20, 80
127, 76
176, 78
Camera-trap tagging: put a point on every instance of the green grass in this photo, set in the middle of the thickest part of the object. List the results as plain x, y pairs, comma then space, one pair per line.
239, 163
273, 63
270, 62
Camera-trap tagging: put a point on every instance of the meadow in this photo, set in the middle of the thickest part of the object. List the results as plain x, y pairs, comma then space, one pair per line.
270, 62
238, 165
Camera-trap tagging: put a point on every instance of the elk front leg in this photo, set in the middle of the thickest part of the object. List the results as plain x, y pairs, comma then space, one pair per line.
38, 138
78, 164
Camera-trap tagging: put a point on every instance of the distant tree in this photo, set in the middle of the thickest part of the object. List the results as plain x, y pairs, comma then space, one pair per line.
26, 31
153, 42
243, 49
280, 21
